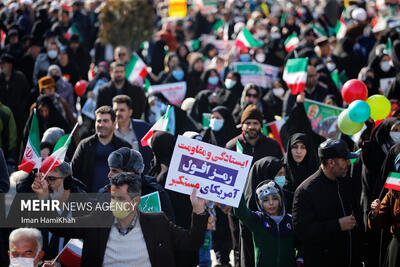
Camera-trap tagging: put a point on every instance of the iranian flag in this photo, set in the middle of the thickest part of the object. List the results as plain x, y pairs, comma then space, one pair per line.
388, 47
320, 32
291, 42
72, 30
161, 125
239, 147
393, 181
32, 158
295, 74
72, 253
245, 40
58, 156
136, 68
340, 28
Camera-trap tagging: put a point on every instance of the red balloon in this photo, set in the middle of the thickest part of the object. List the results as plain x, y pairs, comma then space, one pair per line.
80, 87
354, 90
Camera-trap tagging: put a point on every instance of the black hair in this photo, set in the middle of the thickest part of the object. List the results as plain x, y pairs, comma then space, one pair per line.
133, 181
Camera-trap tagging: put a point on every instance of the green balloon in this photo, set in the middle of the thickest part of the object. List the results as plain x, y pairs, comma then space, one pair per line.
346, 125
380, 106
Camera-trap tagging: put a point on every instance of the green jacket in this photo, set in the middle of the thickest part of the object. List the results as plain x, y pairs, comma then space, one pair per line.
274, 244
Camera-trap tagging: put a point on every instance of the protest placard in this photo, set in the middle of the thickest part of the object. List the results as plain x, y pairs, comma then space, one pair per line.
323, 118
218, 174
174, 92
150, 202
271, 73
223, 46
385, 83
251, 72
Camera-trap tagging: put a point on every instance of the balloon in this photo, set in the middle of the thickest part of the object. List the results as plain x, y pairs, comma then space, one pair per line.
346, 125
80, 87
380, 106
359, 111
354, 90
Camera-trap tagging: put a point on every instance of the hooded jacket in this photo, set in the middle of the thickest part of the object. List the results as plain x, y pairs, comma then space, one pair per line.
274, 243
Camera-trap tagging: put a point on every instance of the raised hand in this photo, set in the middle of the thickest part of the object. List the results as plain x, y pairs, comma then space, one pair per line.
198, 203
40, 187
375, 206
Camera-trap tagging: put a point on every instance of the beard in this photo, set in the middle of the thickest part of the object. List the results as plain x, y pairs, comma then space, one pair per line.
251, 134
57, 193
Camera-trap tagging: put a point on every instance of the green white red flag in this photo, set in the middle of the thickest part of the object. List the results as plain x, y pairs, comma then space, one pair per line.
320, 32
388, 47
136, 68
57, 157
295, 74
393, 181
161, 125
291, 42
245, 40
71, 30
340, 28
32, 158
71, 254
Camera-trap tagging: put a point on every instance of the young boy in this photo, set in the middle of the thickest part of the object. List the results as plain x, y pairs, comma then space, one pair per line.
273, 235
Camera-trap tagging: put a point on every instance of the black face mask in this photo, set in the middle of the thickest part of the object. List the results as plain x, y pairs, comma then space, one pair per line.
56, 77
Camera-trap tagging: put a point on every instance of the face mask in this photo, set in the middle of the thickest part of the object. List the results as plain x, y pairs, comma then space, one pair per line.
262, 33
22, 262
275, 35
120, 210
330, 66
229, 83
278, 92
213, 80
216, 124
178, 74
52, 54
244, 57
55, 77
385, 66
280, 180
260, 58
395, 137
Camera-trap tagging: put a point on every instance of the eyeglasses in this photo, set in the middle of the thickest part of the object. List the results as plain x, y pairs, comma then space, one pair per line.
52, 179
251, 95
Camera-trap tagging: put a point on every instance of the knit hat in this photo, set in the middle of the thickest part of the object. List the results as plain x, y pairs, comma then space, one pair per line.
266, 190
126, 159
251, 112
46, 82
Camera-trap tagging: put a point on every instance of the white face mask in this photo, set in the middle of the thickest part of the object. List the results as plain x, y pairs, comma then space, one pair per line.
395, 137
22, 262
260, 57
52, 54
385, 66
216, 124
331, 66
278, 92
275, 35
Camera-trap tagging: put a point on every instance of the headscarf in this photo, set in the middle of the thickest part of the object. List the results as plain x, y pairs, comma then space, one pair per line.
295, 172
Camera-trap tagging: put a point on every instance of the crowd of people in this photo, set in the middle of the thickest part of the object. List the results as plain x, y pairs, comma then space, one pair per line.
308, 200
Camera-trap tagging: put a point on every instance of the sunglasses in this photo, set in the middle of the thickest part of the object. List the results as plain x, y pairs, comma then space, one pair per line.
251, 95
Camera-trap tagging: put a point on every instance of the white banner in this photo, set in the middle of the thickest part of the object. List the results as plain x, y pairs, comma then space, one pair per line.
218, 174
174, 92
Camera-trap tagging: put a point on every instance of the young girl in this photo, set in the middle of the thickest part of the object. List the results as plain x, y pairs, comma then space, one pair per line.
271, 227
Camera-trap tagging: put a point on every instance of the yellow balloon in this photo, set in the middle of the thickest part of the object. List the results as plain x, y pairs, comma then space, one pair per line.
380, 106
177, 8
346, 125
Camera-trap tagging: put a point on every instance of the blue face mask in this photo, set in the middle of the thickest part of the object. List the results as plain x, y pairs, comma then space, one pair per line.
280, 180
216, 124
244, 57
178, 74
213, 80
229, 83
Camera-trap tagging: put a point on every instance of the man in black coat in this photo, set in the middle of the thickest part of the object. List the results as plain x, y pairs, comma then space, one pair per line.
322, 209
89, 163
120, 86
